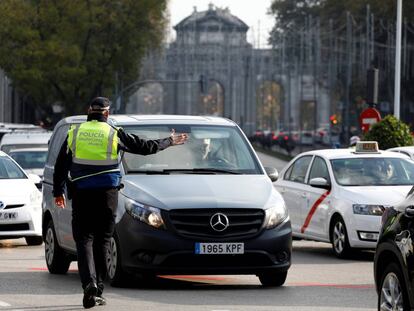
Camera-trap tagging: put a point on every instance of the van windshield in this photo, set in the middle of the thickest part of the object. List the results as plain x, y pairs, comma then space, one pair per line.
209, 149
7, 148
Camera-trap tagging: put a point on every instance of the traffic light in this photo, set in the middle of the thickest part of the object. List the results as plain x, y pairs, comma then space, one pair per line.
333, 119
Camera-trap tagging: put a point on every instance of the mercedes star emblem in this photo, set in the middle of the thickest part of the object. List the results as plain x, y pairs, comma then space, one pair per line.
2, 205
219, 222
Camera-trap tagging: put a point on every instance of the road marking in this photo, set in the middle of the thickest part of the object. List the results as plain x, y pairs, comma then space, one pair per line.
313, 209
45, 269
4, 304
351, 286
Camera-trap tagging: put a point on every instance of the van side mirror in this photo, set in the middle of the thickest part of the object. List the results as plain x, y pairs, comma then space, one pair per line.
320, 182
409, 211
272, 173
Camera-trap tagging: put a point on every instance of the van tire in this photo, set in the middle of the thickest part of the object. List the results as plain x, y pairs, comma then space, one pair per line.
57, 260
34, 240
272, 279
116, 274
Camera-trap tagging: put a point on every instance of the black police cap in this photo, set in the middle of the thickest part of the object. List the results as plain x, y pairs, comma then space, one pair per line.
99, 103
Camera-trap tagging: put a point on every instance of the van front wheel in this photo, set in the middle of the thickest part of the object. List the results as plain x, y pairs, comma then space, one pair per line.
273, 279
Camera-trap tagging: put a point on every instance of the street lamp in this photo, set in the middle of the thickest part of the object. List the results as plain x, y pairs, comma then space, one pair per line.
397, 86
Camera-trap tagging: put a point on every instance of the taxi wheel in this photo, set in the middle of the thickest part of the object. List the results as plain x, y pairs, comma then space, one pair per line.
393, 294
34, 240
57, 260
273, 279
117, 276
339, 238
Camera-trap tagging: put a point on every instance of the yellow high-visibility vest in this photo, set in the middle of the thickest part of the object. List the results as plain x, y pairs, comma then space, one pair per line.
93, 143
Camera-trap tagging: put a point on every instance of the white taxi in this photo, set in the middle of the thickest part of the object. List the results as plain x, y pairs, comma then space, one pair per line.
20, 203
338, 195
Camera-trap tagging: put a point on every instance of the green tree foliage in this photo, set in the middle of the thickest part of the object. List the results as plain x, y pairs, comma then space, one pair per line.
291, 15
390, 132
69, 51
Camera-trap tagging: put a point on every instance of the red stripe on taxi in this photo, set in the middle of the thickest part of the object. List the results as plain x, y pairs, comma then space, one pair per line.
313, 210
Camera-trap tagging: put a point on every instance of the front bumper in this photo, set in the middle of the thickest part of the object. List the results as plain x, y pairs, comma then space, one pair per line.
146, 249
27, 223
363, 224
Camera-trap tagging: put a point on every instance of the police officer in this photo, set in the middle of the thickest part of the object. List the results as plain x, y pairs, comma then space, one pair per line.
90, 155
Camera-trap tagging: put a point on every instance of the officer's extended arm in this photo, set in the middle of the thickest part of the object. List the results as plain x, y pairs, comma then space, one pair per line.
132, 143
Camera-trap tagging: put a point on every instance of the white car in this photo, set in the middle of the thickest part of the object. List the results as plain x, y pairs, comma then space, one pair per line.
20, 203
338, 195
32, 160
407, 150
27, 139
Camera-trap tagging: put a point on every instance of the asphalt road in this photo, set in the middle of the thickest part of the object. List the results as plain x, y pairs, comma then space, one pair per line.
316, 281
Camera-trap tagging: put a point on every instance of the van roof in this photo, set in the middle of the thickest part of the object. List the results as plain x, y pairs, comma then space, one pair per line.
156, 119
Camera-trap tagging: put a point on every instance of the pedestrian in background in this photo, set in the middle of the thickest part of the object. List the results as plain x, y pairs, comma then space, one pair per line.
90, 156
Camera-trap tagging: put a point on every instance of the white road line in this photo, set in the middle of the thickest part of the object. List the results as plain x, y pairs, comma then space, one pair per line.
4, 304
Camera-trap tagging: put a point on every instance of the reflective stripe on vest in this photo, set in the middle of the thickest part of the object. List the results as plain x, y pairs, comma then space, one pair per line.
93, 143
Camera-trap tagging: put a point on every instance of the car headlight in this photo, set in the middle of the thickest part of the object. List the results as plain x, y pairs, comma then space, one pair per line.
145, 213
368, 209
275, 215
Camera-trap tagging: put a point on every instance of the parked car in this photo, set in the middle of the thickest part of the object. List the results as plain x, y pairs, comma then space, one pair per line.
26, 139
394, 257
407, 150
183, 211
18, 127
338, 195
20, 203
32, 160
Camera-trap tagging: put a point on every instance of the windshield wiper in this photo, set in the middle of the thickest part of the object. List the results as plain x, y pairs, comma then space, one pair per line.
152, 172
183, 170
202, 170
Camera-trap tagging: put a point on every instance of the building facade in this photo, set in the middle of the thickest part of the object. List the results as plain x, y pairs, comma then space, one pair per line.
211, 69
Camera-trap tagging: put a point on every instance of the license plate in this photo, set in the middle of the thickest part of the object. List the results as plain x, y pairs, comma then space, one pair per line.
219, 248
8, 216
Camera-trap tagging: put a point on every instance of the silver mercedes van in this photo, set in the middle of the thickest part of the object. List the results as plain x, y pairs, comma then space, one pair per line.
205, 207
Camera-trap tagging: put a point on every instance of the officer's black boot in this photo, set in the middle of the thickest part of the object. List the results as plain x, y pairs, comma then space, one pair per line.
89, 295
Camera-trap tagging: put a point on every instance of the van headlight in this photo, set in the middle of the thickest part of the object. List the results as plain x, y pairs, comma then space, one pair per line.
368, 209
275, 215
145, 213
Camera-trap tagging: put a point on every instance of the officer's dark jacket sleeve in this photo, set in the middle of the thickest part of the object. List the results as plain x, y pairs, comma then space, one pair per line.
133, 144
60, 174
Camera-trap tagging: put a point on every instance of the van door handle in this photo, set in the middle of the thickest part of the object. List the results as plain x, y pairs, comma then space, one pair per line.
304, 195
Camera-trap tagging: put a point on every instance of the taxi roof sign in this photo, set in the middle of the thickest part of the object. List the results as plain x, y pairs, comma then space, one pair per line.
366, 147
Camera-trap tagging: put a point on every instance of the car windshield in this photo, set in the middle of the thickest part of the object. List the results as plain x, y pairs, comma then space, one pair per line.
9, 170
209, 149
30, 159
373, 171
8, 147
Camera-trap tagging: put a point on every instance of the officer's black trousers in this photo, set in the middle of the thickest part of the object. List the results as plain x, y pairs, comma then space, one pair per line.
93, 221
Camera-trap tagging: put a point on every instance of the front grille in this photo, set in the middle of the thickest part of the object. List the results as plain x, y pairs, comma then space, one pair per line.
195, 223
13, 206
14, 227
218, 261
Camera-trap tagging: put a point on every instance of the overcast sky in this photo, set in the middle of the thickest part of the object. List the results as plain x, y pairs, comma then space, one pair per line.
252, 12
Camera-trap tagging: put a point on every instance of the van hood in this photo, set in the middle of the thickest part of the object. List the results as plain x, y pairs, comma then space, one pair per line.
201, 191
382, 195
